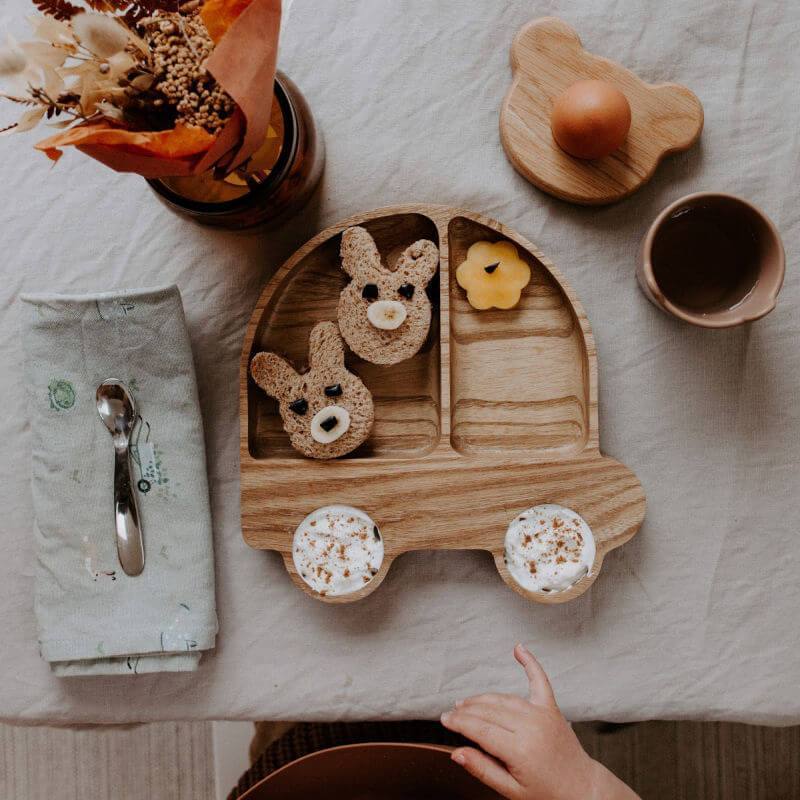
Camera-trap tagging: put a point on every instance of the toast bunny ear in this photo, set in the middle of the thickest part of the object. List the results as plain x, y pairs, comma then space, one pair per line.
360, 257
273, 374
419, 261
325, 346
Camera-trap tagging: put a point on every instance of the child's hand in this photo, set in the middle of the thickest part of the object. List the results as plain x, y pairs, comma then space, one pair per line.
533, 752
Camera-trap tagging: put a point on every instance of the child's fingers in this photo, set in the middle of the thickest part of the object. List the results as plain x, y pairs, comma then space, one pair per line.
511, 720
487, 771
491, 737
540, 690
509, 701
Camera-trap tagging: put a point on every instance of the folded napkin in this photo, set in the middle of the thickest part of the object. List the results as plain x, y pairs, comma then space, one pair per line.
93, 618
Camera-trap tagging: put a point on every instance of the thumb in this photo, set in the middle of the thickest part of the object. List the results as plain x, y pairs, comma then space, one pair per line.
541, 693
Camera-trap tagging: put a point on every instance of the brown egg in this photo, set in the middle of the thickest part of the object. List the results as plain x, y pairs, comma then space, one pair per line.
590, 119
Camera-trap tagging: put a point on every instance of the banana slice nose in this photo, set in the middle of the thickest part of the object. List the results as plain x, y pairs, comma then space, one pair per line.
329, 424
386, 315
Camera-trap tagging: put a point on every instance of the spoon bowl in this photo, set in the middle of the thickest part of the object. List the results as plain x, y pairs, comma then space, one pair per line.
116, 407
117, 410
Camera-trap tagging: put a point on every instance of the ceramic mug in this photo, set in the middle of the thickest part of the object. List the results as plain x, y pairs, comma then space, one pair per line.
712, 260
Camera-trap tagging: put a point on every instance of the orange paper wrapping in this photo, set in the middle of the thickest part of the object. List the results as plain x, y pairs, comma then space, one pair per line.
243, 63
219, 15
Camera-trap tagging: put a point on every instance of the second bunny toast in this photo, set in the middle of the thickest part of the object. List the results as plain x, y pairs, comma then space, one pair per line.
327, 411
384, 314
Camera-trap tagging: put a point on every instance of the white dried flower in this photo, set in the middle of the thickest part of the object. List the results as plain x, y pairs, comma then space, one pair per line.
110, 111
30, 119
43, 54
12, 61
119, 64
53, 83
51, 30
16, 68
100, 34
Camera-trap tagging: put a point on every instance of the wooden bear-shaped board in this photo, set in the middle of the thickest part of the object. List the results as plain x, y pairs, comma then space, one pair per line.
546, 58
496, 413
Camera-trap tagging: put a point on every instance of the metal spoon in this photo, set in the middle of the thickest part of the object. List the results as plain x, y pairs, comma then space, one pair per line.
117, 409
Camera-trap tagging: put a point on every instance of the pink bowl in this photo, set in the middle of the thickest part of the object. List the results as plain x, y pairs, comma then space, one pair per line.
380, 771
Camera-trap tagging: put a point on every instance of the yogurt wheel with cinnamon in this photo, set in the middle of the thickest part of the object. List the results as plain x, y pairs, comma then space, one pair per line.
549, 548
337, 550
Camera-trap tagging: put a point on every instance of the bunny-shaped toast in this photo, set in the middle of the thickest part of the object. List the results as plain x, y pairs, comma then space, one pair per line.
384, 314
327, 411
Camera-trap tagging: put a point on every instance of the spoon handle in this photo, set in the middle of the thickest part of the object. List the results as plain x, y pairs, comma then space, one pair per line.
130, 547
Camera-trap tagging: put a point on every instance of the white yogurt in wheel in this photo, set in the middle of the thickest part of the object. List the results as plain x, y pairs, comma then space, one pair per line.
337, 550
549, 548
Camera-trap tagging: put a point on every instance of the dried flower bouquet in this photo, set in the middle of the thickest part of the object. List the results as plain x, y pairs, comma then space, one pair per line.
157, 87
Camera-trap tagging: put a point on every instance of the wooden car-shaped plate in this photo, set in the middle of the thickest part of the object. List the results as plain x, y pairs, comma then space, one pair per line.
495, 414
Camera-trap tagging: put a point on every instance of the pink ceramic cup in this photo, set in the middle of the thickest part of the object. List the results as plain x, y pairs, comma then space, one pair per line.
751, 302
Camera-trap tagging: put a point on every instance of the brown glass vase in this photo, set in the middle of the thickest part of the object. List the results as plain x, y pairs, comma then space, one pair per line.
267, 193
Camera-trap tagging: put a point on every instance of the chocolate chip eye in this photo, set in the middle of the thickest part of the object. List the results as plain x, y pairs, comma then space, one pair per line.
406, 290
299, 406
334, 390
370, 291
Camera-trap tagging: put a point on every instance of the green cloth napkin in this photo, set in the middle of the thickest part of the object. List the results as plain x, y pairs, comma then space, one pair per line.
93, 618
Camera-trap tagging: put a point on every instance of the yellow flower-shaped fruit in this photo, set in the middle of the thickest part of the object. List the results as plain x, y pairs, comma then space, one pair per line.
493, 274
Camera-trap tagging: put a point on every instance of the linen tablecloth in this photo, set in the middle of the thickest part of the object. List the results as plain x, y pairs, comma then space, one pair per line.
697, 616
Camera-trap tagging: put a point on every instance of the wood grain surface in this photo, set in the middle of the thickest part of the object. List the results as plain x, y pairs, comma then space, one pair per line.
162, 760
546, 58
497, 413
699, 760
